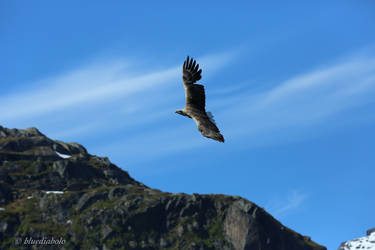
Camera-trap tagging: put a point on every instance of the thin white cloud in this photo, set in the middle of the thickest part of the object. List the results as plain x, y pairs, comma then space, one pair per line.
94, 84
104, 99
260, 117
83, 87
307, 100
347, 75
282, 206
110, 98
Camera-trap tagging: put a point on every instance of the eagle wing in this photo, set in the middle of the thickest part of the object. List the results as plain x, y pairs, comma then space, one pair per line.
190, 72
196, 100
206, 126
195, 97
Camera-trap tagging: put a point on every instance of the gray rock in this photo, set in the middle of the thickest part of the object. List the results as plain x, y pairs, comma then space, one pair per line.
106, 232
87, 199
116, 192
370, 231
3, 226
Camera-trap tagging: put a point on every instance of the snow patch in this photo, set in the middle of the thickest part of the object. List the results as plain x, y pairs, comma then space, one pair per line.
29, 197
367, 243
63, 155
54, 192
2, 209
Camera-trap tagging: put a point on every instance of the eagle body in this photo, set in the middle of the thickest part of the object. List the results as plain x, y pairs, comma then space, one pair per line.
196, 101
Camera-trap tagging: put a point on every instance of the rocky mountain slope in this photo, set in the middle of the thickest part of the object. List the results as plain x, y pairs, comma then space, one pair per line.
51, 190
367, 242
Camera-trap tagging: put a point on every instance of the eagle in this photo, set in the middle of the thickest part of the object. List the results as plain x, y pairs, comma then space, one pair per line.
195, 101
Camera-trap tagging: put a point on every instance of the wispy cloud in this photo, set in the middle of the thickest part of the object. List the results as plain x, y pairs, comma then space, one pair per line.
102, 97
291, 110
135, 107
340, 81
301, 102
88, 85
290, 202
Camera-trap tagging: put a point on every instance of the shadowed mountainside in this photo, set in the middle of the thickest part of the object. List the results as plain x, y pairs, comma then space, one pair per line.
99, 206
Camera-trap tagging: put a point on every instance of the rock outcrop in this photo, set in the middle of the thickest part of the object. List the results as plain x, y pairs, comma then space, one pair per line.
55, 190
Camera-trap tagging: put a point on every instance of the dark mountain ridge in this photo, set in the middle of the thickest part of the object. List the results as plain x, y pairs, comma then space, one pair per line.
51, 189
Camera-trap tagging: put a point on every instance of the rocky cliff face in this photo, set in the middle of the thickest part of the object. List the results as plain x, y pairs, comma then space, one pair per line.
51, 190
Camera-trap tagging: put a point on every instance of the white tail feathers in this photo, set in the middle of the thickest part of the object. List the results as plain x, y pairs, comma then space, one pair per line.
211, 117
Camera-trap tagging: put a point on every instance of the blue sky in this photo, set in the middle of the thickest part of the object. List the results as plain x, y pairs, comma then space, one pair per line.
291, 85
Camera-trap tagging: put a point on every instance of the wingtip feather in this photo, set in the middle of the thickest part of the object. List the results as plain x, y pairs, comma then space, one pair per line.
221, 138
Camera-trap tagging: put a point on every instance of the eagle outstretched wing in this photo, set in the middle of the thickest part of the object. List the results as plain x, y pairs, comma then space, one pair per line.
195, 100
190, 72
207, 127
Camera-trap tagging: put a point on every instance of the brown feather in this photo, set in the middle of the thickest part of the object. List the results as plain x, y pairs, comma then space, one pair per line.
195, 100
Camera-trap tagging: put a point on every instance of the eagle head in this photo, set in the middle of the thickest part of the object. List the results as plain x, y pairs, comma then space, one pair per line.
181, 112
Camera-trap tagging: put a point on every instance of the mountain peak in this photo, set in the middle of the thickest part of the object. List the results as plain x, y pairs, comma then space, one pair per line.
367, 242
32, 131
50, 188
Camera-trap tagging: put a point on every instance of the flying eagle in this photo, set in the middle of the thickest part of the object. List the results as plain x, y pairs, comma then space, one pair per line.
195, 101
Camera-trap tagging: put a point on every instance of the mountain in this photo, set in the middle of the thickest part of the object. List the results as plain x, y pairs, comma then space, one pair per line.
367, 242
58, 195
